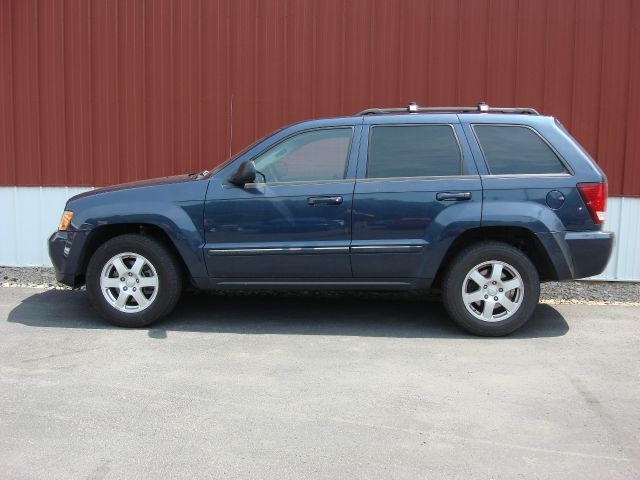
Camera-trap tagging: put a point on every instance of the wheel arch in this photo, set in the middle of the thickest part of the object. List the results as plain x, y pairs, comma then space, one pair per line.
522, 238
101, 234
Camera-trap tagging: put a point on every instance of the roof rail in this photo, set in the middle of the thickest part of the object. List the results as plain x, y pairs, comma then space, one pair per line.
481, 107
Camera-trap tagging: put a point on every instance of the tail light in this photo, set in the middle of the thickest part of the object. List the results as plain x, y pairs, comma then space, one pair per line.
595, 197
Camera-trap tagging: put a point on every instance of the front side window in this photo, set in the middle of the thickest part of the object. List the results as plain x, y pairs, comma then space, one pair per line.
514, 149
314, 155
413, 151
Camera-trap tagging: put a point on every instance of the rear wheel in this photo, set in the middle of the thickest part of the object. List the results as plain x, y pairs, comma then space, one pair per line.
133, 280
491, 289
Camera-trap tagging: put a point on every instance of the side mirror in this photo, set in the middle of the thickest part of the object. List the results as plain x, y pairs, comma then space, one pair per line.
246, 173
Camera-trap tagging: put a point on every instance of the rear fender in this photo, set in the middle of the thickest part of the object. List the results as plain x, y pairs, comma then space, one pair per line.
533, 216
443, 230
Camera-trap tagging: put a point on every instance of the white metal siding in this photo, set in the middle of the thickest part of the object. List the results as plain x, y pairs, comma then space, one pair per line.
30, 214
623, 218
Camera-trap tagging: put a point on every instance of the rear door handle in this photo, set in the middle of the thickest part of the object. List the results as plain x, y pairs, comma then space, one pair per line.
333, 200
453, 196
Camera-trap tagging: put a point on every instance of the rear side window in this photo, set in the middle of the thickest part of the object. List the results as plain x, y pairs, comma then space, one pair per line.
413, 151
513, 149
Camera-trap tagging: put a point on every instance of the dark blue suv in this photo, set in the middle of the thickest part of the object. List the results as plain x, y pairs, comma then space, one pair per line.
483, 203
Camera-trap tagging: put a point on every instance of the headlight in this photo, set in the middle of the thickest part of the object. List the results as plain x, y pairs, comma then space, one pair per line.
65, 220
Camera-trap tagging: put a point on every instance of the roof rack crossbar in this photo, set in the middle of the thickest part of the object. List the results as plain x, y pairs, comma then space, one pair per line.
481, 107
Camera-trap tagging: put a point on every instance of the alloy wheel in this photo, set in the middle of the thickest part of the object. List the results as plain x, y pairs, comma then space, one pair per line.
129, 282
493, 291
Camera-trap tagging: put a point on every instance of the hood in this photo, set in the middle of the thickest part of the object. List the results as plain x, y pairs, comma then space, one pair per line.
138, 184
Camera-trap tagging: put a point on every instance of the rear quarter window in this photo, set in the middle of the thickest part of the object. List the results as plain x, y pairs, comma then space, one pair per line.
413, 151
515, 149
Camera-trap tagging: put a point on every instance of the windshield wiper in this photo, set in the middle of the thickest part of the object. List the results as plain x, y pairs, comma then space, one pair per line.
201, 174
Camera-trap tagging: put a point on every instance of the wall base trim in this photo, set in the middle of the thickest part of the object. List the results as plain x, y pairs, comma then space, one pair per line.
31, 214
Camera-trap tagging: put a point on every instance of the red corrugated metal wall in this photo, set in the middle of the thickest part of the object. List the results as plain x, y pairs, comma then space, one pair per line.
103, 91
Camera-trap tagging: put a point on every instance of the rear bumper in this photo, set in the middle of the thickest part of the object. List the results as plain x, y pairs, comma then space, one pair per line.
65, 249
578, 254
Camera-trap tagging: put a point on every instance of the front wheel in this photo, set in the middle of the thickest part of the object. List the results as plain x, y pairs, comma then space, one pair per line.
491, 289
133, 280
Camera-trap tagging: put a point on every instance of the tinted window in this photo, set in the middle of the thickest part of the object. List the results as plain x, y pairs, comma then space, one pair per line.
413, 151
313, 155
513, 149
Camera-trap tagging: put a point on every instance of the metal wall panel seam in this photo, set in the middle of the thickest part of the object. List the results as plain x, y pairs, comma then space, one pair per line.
7, 110
631, 170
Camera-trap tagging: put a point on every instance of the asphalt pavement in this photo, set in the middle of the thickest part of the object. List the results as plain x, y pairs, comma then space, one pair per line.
296, 387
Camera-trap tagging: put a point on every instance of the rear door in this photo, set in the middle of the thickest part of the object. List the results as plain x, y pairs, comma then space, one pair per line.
417, 188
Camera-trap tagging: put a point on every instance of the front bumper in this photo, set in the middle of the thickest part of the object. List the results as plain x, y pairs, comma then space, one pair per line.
65, 249
578, 254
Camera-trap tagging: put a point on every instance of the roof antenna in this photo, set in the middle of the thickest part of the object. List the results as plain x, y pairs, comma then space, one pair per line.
231, 126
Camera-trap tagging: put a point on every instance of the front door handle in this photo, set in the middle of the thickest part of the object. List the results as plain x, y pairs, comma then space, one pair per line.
333, 200
453, 196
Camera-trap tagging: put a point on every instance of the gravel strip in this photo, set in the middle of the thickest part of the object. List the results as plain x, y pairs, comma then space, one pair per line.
35, 277
589, 292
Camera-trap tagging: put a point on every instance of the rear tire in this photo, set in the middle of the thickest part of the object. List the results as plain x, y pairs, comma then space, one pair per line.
133, 280
491, 289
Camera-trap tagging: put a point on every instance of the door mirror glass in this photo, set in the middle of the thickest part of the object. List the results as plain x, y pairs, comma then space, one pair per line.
246, 173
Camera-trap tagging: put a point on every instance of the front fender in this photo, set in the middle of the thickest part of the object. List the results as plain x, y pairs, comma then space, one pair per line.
176, 209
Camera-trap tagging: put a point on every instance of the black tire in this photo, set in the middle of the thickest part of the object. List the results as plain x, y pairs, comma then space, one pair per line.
169, 280
464, 263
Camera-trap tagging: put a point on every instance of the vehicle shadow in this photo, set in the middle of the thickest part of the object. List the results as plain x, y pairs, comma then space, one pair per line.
349, 314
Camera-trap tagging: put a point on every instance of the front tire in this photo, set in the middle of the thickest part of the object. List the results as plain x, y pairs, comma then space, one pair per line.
491, 289
133, 280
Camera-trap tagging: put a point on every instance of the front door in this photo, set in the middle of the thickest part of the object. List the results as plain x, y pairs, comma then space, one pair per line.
295, 220
416, 192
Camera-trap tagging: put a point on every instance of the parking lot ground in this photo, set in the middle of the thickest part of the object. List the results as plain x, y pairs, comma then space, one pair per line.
315, 387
